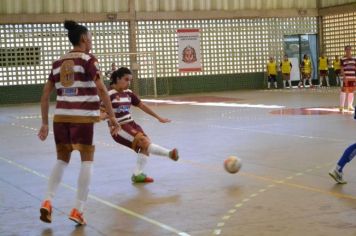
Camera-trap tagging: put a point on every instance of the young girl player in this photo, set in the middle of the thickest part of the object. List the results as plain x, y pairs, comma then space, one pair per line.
131, 134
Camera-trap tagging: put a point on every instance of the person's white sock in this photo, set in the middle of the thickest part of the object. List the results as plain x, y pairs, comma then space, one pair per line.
158, 150
275, 84
268, 85
55, 179
284, 83
83, 184
310, 82
350, 99
342, 99
327, 82
140, 163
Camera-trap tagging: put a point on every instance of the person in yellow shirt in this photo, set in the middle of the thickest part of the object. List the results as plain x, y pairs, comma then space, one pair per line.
306, 71
323, 70
272, 72
286, 67
337, 70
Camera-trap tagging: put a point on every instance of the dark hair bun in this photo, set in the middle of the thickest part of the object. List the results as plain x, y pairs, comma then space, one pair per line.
70, 25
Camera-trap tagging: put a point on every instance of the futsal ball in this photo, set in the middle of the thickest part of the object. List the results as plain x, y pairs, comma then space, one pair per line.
232, 164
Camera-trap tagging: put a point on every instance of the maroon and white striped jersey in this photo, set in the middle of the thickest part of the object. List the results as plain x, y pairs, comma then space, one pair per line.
349, 67
74, 76
121, 104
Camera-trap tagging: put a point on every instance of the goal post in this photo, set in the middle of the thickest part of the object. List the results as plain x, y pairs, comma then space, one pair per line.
146, 67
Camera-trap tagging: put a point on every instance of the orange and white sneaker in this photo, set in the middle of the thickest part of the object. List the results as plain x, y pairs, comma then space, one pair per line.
173, 154
46, 212
77, 217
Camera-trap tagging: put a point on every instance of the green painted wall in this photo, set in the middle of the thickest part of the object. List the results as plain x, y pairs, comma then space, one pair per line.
206, 83
165, 86
172, 85
21, 94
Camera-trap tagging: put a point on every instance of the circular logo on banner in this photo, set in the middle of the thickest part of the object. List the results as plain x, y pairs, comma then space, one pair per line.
67, 73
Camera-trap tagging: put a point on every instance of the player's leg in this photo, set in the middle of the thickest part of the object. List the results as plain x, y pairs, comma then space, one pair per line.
310, 82
63, 156
289, 81
146, 146
274, 78
140, 144
337, 172
343, 94
350, 101
269, 82
338, 82
321, 75
327, 79
82, 140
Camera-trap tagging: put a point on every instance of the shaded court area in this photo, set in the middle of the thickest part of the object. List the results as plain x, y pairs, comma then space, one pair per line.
288, 140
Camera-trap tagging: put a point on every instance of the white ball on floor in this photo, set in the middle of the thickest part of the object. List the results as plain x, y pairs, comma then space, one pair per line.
232, 164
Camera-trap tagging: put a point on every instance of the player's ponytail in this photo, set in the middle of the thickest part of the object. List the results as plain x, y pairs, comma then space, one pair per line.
75, 31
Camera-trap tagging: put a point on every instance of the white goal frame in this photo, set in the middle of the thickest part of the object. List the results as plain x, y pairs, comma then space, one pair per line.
151, 54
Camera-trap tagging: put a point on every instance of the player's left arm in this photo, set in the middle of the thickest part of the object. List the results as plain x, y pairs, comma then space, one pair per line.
149, 111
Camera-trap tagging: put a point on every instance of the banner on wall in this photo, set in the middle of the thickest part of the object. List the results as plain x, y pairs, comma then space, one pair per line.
189, 50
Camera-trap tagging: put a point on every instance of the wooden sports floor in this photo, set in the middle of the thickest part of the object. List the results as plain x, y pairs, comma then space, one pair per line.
288, 140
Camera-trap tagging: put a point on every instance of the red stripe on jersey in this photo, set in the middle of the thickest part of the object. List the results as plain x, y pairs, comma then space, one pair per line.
77, 77
349, 67
78, 105
87, 61
349, 64
123, 102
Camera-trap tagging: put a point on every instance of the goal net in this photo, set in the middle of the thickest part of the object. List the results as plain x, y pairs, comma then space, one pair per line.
146, 81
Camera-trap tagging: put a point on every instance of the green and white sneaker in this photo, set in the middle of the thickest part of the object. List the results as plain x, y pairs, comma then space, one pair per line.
337, 176
141, 178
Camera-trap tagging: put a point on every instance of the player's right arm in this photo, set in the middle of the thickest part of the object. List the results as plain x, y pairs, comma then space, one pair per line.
47, 90
104, 97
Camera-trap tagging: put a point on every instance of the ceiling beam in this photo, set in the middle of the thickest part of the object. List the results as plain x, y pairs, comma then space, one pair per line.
176, 15
200, 15
59, 18
346, 8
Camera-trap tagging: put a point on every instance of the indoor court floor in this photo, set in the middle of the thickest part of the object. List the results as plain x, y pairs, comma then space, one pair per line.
288, 140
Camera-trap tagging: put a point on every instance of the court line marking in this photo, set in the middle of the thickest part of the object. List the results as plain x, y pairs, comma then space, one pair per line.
230, 213
63, 213
262, 178
249, 129
213, 104
279, 134
281, 182
100, 200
